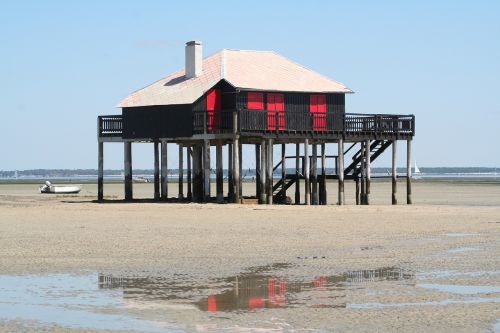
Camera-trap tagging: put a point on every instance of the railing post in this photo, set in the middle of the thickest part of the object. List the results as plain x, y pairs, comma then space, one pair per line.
205, 115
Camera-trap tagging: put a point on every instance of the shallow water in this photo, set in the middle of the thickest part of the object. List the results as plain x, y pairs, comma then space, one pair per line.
155, 303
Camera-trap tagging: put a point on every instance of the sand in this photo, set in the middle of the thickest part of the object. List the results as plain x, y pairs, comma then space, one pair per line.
47, 233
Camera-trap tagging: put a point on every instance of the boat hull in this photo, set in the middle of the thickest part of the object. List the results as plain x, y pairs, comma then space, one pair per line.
60, 189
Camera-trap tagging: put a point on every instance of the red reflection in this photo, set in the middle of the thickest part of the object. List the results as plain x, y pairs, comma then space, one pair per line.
212, 303
255, 303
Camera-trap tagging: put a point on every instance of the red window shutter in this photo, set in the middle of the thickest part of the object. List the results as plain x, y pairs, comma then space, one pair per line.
317, 107
321, 103
275, 102
213, 104
271, 106
280, 102
213, 99
255, 101
313, 103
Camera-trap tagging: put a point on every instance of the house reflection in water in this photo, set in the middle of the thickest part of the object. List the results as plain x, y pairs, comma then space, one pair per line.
253, 290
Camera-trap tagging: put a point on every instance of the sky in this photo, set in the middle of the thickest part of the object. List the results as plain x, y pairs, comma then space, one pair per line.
63, 63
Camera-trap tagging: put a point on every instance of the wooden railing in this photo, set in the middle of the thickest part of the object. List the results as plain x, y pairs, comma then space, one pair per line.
110, 126
262, 121
379, 123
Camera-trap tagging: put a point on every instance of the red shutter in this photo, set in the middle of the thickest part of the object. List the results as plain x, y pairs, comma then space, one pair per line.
317, 106
275, 102
213, 106
255, 101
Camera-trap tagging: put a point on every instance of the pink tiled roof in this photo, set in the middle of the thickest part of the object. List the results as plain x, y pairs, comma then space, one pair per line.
256, 70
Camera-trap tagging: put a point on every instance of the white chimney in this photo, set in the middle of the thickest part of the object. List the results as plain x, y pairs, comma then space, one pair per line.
194, 59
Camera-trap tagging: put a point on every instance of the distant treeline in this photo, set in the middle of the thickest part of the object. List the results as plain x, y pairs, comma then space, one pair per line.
110, 172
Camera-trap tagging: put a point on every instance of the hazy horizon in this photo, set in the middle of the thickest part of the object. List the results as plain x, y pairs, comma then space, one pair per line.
65, 63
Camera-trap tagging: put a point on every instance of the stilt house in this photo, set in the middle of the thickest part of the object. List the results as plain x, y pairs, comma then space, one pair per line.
259, 98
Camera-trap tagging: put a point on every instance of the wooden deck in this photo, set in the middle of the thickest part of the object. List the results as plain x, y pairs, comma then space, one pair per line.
276, 124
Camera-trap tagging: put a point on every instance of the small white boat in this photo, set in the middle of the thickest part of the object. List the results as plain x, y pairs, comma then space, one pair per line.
60, 189
141, 179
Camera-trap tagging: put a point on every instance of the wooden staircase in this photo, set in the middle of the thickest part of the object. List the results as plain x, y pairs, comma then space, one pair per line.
352, 171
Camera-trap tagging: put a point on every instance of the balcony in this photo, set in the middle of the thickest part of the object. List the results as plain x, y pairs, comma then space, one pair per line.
283, 122
262, 121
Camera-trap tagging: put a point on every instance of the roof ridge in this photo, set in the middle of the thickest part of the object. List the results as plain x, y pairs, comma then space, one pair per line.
259, 51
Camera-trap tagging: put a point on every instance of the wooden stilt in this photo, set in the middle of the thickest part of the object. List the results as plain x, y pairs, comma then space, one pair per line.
394, 173
236, 171
230, 167
408, 172
283, 170
358, 194
189, 173
269, 172
340, 171
219, 175
297, 174
263, 168
307, 194
181, 172
362, 174
314, 175
164, 171
206, 170
197, 173
128, 169
240, 163
100, 171
257, 172
368, 171
323, 200
156, 170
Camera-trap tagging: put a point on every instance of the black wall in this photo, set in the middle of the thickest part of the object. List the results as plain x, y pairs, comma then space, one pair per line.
162, 121
228, 98
299, 102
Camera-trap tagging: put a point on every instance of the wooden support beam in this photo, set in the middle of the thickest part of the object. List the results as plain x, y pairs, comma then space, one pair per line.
307, 194
394, 173
164, 170
189, 157
283, 170
340, 171
219, 174
197, 173
230, 167
181, 173
257, 172
408, 172
269, 172
127, 145
206, 170
297, 174
323, 199
368, 171
100, 171
362, 174
314, 175
156, 170
240, 163
263, 168
236, 170
358, 194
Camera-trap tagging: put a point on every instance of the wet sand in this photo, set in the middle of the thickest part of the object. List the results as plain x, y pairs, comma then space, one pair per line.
449, 237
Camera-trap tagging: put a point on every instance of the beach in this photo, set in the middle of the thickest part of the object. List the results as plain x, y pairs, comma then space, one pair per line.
430, 266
